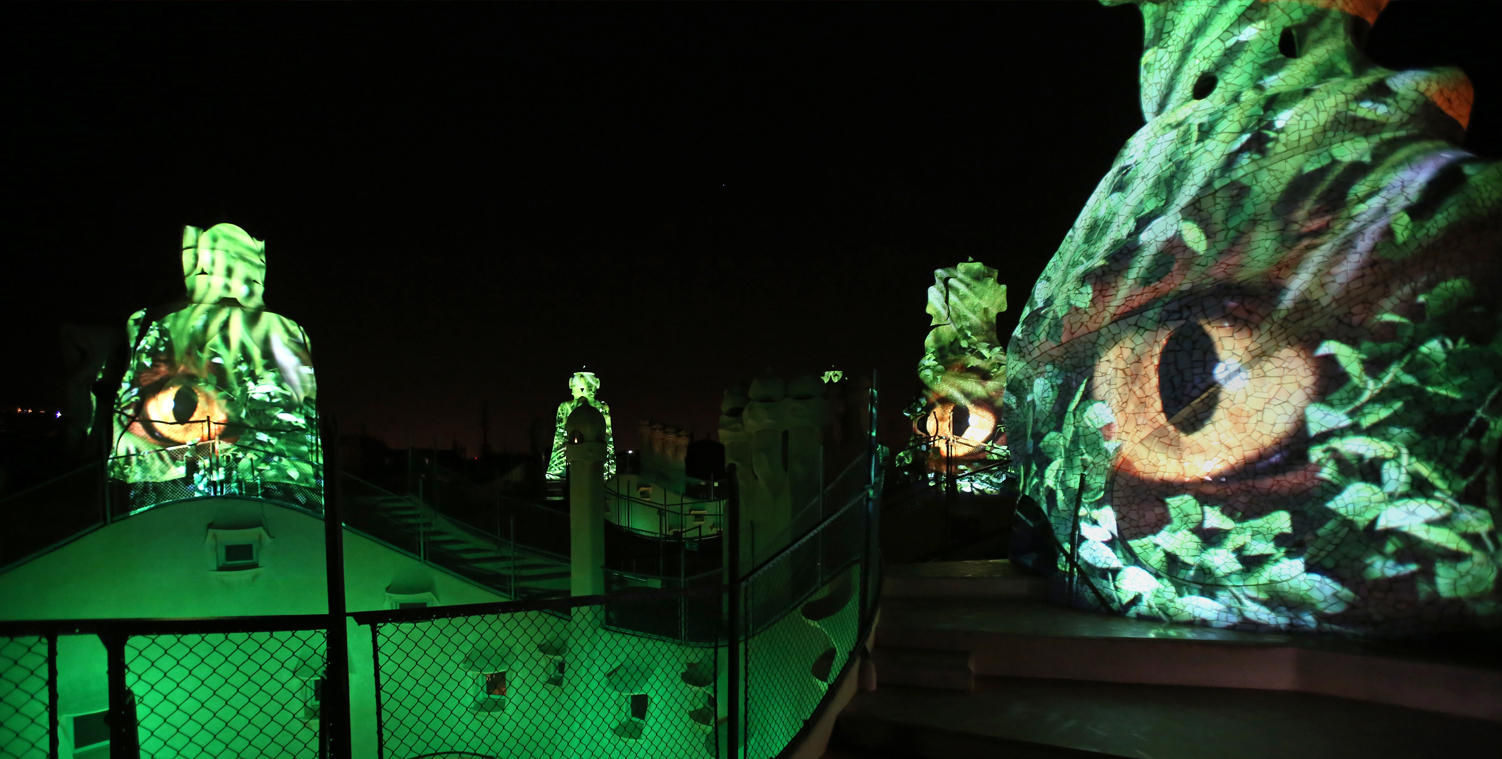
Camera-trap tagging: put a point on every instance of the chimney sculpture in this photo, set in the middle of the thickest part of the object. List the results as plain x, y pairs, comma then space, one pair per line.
219, 393
1257, 385
582, 387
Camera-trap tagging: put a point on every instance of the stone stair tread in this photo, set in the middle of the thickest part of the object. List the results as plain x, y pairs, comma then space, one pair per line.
983, 568
1035, 717
921, 656
928, 668
1029, 617
984, 578
905, 618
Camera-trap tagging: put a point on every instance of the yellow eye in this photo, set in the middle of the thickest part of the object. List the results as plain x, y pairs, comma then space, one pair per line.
1195, 400
968, 428
182, 412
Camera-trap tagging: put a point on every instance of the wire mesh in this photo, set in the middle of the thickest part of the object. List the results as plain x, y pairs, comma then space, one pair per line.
693, 618
544, 684
513, 551
24, 721
802, 615
214, 468
247, 694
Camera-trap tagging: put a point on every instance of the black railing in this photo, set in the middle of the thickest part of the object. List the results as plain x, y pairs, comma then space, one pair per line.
231, 686
670, 519
521, 553
729, 676
595, 676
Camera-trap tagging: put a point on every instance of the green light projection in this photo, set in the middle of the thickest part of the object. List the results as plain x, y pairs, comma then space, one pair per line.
583, 386
1269, 348
964, 370
219, 395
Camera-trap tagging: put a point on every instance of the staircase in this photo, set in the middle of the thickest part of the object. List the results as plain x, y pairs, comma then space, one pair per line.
971, 660
512, 569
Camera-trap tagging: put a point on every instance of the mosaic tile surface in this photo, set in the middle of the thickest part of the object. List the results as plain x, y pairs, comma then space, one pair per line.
1259, 379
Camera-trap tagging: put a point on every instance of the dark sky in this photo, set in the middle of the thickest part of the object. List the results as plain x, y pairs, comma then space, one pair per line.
468, 202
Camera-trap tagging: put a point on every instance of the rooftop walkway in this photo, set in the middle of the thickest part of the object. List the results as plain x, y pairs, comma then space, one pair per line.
971, 661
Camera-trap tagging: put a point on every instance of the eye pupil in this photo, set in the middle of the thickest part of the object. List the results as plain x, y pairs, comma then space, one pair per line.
184, 403
1186, 371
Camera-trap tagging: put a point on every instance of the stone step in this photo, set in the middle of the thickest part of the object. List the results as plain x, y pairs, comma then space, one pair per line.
992, 578
1016, 717
925, 668
1036, 639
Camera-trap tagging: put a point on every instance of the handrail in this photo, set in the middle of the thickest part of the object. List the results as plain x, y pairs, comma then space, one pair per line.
166, 625
660, 506
806, 537
1069, 555
541, 553
33, 488
818, 501
429, 613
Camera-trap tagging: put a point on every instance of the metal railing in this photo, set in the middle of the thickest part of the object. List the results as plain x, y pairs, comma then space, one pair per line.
595, 676
734, 670
213, 468
540, 679
522, 553
175, 688
28, 694
743, 672
663, 520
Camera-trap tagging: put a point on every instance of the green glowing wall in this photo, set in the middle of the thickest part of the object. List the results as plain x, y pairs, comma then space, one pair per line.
1270, 343
162, 563
217, 377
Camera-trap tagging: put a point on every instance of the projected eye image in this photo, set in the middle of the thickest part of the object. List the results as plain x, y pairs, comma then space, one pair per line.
963, 371
1258, 382
219, 395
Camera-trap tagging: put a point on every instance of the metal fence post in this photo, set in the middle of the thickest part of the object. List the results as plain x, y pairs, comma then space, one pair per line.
1074, 539
334, 709
125, 743
871, 501
375, 656
52, 725
733, 593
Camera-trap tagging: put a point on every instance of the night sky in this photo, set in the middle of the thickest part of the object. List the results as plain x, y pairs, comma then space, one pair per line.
469, 202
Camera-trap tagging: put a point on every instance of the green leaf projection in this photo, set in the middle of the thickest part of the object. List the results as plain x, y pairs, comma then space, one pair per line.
219, 395
583, 386
963, 370
1257, 385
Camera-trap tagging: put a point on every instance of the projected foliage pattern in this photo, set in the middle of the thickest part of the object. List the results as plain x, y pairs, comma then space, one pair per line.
218, 369
583, 386
963, 371
1270, 344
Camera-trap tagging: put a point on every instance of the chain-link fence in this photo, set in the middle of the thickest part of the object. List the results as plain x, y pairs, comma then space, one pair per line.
681, 517
213, 468
697, 668
244, 694
519, 550
244, 687
693, 618
27, 726
542, 679
802, 612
